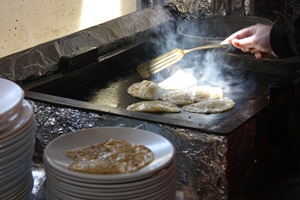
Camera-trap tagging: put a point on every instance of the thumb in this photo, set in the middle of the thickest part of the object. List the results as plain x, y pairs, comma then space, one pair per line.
245, 43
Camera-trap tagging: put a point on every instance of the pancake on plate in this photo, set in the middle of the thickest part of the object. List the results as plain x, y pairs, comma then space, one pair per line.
111, 157
154, 106
207, 106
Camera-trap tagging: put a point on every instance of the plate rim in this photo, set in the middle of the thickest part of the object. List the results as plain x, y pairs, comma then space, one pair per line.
26, 119
10, 109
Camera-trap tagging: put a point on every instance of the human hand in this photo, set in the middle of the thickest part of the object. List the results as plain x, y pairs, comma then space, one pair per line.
254, 39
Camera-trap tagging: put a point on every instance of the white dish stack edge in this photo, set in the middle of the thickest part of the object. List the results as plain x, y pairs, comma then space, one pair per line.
17, 141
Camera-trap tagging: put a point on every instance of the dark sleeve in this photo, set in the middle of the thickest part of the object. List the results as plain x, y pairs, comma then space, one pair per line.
285, 42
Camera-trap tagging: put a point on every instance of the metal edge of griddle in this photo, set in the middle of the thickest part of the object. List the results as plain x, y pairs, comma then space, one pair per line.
82, 105
239, 118
225, 128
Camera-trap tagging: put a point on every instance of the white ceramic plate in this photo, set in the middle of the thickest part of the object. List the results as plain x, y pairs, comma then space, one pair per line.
163, 152
166, 192
11, 97
19, 188
51, 196
12, 120
55, 194
25, 192
10, 149
20, 151
8, 183
23, 159
122, 187
11, 184
88, 193
20, 169
20, 134
25, 119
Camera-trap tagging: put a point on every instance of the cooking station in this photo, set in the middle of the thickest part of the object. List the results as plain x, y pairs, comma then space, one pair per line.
80, 81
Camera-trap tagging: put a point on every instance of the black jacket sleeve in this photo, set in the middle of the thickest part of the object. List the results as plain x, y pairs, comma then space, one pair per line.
285, 42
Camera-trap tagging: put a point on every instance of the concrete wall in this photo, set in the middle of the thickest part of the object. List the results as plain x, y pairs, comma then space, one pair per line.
26, 23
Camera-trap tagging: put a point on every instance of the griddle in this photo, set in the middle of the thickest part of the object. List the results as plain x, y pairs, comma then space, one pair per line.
109, 77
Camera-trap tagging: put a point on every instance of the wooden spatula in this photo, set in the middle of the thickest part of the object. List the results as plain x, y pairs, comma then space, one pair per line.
157, 64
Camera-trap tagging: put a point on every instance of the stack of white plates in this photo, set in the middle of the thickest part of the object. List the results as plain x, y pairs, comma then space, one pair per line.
155, 181
17, 127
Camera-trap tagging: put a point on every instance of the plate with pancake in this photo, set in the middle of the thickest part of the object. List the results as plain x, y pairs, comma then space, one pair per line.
58, 161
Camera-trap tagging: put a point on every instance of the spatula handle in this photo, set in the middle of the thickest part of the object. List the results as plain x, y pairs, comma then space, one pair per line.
210, 46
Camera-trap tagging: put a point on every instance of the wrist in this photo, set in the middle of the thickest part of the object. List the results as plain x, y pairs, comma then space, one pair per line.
280, 42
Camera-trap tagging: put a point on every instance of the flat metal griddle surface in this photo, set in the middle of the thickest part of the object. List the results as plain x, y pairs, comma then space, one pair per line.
108, 93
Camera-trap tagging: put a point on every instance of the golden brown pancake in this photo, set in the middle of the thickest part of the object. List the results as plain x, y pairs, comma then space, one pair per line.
154, 106
111, 157
145, 89
206, 92
178, 97
192, 95
210, 106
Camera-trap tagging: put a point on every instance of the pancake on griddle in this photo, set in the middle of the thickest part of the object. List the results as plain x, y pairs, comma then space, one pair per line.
145, 89
192, 95
206, 92
207, 106
154, 106
178, 97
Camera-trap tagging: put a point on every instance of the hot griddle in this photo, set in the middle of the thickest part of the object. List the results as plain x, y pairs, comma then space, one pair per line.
108, 79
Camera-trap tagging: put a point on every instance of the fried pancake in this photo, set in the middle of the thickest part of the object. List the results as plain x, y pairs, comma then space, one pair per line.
206, 92
180, 97
112, 157
207, 106
154, 106
192, 95
145, 89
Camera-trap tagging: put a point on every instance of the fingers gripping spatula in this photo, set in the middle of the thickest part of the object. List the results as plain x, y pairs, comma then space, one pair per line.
157, 64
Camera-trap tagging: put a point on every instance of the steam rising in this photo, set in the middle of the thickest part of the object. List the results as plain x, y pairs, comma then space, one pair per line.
212, 68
